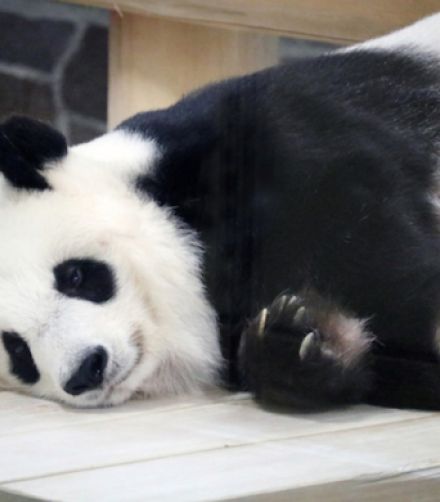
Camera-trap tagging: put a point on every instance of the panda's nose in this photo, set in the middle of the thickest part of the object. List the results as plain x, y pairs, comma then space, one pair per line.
89, 374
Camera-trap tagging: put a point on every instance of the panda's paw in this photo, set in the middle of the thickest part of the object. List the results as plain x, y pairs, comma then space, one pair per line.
305, 353
291, 323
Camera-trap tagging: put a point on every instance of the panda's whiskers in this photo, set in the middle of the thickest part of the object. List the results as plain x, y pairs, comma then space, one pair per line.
137, 341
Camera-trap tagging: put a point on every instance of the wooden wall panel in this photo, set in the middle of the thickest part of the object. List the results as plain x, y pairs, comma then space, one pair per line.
154, 62
333, 20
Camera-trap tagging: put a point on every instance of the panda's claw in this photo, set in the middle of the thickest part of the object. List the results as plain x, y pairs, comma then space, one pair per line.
293, 300
257, 326
261, 323
300, 316
310, 346
283, 311
278, 306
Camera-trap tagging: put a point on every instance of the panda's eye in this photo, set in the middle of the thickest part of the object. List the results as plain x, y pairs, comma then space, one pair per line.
15, 345
85, 279
21, 362
75, 277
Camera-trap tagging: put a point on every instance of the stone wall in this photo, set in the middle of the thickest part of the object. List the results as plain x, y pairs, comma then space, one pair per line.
53, 65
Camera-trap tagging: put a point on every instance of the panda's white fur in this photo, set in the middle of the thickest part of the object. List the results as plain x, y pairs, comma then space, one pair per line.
420, 37
159, 330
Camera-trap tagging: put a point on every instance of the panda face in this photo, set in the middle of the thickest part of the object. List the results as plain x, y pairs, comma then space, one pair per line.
100, 289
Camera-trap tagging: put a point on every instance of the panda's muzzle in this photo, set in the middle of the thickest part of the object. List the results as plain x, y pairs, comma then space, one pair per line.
90, 373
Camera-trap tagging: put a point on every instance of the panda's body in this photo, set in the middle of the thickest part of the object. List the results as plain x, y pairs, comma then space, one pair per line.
303, 198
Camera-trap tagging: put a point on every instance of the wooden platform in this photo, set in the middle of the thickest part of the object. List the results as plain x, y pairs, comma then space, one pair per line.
220, 447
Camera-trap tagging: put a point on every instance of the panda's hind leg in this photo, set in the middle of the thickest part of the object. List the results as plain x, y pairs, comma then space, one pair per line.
307, 353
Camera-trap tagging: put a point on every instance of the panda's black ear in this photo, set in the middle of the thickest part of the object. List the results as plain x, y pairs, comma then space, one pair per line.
25, 146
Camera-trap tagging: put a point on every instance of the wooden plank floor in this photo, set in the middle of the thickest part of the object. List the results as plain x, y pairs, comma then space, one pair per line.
220, 447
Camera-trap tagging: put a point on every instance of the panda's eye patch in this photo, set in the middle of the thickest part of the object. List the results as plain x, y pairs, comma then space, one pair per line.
85, 279
22, 363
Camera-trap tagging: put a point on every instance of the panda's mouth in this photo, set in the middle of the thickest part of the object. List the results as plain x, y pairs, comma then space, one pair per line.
116, 378
121, 378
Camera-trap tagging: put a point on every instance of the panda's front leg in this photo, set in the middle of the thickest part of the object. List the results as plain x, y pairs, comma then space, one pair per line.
306, 353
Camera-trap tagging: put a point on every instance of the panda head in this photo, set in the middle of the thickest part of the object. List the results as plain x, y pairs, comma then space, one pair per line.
100, 289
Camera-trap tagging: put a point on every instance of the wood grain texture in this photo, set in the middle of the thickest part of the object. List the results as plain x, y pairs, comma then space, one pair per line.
154, 62
219, 448
405, 487
65, 440
337, 20
156, 450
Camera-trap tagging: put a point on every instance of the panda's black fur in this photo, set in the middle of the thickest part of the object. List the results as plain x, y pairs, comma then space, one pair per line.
25, 146
318, 173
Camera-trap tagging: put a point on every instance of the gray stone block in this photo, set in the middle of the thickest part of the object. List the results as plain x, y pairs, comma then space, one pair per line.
80, 132
35, 43
85, 78
23, 96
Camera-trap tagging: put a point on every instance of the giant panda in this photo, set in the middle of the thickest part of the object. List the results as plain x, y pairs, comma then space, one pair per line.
277, 232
